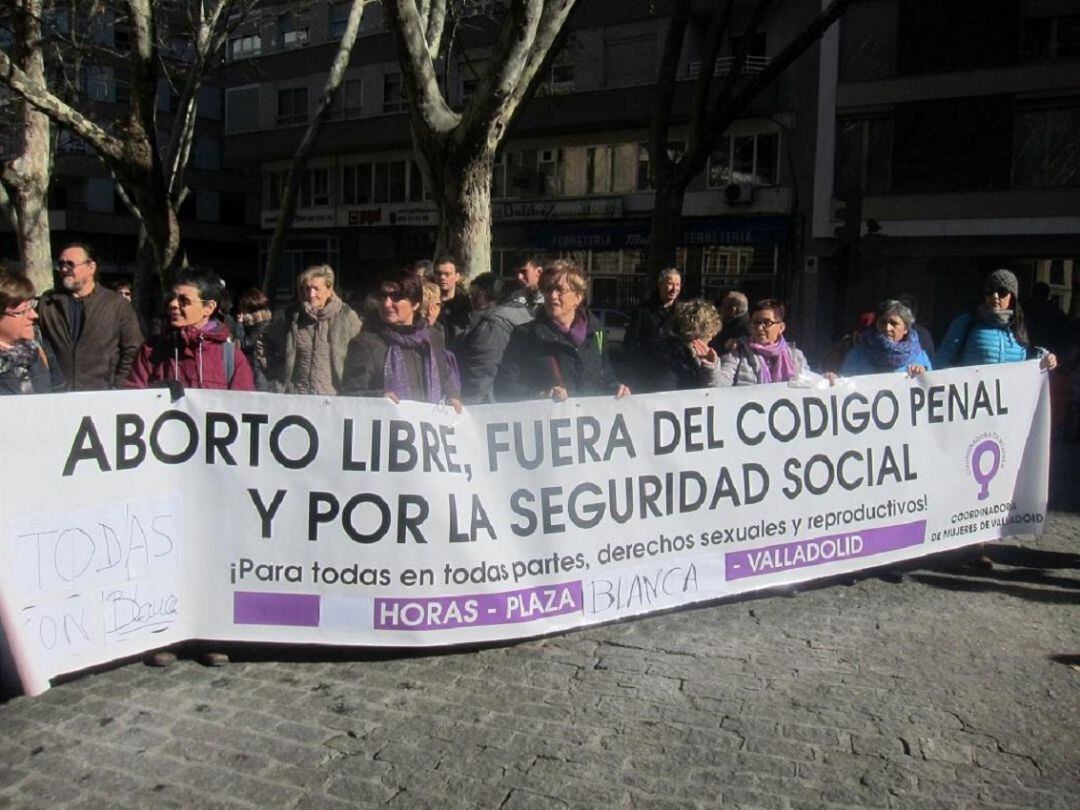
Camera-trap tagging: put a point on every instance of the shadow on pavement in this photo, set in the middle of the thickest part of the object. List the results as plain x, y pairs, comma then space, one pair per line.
987, 582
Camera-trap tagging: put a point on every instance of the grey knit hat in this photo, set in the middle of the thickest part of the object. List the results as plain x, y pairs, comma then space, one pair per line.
1002, 280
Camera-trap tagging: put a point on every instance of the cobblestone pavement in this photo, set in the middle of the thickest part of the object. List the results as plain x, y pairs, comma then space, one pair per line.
947, 691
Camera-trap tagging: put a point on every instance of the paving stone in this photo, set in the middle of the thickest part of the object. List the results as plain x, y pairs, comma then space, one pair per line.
921, 696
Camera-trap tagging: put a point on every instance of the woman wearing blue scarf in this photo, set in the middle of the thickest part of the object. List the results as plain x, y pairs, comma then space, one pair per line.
889, 345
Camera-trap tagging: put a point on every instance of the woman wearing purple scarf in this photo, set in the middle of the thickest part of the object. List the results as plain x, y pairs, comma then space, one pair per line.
889, 345
562, 353
763, 356
403, 357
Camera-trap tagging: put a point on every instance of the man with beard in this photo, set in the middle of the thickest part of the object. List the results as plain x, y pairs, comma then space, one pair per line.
93, 331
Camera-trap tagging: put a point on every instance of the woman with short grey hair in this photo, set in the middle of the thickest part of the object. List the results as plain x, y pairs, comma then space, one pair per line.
891, 344
313, 339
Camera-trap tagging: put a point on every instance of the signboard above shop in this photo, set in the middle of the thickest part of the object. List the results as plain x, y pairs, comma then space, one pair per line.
425, 215
764, 231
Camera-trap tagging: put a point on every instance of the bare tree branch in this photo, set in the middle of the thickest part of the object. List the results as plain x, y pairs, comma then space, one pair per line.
307, 143
58, 111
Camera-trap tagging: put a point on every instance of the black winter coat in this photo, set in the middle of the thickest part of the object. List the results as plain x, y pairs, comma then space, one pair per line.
540, 357
366, 361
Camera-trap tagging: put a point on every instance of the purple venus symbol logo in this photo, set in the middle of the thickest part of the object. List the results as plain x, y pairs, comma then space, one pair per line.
983, 475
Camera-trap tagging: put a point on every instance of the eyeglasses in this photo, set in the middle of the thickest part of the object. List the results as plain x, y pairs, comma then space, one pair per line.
1000, 292
183, 300
67, 264
563, 290
23, 311
765, 323
393, 295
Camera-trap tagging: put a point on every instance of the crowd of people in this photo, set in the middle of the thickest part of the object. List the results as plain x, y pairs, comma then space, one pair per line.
427, 335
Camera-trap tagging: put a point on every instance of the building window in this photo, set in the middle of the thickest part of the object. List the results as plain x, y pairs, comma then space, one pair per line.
390, 181
245, 45
273, 188
348, 100
356, 184
292, 31
122, 85
470, 71
315, 188
393, 95
1046, 148
372, 22
207, 153
99, 83
549, 182
864, 159
1047, 39
561, 78
675, 151
292, 106
339, 18
418, 191
233, 208
241, 108
745, 159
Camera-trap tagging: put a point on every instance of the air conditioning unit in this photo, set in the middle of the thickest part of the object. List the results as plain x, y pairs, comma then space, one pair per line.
736, 193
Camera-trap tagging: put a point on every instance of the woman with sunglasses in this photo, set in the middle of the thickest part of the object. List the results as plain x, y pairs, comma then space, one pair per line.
26, 366
560, 354
196, 348
995, 332
890, 343
763, 356
402, 357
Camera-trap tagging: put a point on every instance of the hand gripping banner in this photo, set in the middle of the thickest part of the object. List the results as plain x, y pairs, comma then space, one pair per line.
130, 522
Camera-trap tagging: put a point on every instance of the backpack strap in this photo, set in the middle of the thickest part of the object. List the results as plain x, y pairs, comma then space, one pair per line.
230, 359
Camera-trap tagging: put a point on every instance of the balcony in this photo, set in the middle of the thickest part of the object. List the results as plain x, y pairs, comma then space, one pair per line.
724, 65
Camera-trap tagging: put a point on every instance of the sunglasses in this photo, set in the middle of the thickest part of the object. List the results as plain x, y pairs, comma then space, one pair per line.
183, 300
393, 295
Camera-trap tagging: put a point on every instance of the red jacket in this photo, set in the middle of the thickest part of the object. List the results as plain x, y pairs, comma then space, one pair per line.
195, 357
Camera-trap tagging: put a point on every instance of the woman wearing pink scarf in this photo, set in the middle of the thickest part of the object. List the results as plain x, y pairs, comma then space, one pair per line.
763, 356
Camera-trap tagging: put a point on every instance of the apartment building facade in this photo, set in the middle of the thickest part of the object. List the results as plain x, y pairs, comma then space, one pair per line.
949, 137
571, 179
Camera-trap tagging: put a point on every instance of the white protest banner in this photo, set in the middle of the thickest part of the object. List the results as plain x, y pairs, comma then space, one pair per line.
131, 522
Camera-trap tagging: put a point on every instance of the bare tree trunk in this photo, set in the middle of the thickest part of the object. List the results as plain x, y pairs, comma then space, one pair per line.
464, 197
666, 225
25, 178
307, 143
712, 110
456, 151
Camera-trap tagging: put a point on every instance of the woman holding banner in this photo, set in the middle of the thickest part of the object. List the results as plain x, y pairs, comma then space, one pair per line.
561, 353
995, 332
891, 344
763, 356
25, 368
403, 357
196, 348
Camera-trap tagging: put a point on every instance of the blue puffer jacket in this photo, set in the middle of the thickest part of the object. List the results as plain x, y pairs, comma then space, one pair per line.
860, 360
972, 342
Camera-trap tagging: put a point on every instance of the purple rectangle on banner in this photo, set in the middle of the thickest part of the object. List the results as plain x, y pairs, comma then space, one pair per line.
822, 550
285, 609
478, 609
